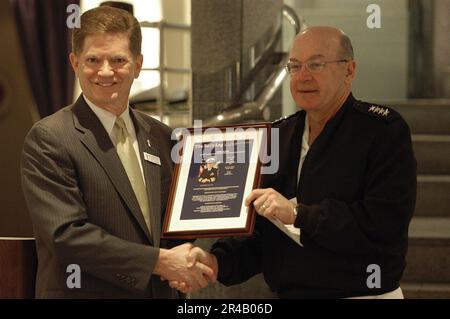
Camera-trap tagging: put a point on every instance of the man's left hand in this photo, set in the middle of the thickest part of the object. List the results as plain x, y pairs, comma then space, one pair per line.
271, 204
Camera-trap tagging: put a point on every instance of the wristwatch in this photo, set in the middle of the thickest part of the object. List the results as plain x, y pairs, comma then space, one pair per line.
296, 207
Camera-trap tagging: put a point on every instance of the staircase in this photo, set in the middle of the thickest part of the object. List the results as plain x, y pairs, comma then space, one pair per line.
427, 274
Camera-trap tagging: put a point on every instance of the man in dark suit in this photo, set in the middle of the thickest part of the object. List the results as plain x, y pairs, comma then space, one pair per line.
96, 176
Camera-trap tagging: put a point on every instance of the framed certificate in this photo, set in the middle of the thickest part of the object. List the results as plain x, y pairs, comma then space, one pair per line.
216, 170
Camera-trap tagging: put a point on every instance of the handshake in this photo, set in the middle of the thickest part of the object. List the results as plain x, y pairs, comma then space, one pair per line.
186, 267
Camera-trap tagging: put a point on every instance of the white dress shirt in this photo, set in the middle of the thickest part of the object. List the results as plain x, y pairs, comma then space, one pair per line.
305, 147
108, 119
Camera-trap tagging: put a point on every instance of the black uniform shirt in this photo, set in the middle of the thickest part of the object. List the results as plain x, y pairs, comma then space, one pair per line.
357, 191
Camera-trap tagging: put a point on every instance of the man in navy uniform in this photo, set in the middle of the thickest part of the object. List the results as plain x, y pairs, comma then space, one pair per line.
349, 187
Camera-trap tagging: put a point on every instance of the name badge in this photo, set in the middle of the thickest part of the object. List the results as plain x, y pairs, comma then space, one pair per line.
152, 158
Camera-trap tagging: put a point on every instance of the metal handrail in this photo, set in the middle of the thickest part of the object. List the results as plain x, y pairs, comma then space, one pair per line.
250, 110
292, 18
161, 25
165, 25
169, 69
244, 111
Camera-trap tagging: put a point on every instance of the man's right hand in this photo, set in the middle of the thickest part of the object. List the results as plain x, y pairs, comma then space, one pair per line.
197, 256
176, 265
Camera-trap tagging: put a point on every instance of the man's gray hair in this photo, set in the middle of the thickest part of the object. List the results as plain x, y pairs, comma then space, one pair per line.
346, 47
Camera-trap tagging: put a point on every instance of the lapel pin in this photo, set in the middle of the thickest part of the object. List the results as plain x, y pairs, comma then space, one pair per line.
148, 143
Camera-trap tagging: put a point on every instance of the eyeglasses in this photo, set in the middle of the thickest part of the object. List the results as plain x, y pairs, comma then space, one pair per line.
312, 66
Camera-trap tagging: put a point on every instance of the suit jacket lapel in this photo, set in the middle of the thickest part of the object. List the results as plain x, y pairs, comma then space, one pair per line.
96, 139
152, 172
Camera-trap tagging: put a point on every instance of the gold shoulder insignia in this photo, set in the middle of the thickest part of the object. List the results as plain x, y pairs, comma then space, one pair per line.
284, 118
379, 110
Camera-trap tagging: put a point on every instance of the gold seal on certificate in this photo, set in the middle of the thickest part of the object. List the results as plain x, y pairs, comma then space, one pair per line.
216, 170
